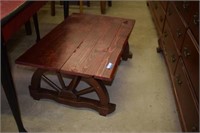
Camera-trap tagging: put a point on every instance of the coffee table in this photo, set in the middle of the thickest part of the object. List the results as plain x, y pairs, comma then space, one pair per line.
85, 47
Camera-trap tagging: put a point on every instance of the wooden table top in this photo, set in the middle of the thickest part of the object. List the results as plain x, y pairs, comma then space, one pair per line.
9, 8
83, 45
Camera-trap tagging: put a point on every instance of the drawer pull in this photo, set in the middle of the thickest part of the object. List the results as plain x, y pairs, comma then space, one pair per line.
194, 129
186, 52
185, 5
165, 34
178, 33
196, 19
173, 58
179, 82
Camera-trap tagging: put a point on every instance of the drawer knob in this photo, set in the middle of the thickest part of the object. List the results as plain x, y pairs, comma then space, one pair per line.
186, 52
173, 58
165, 34
185, 5
178, 33
196, 19
179, 82
194, 129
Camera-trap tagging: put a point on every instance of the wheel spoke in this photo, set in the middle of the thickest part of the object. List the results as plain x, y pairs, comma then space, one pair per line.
85, 91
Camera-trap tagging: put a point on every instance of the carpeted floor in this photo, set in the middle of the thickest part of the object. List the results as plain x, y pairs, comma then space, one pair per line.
141, 90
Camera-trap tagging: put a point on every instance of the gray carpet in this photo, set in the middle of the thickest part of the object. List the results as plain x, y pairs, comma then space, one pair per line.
141, 90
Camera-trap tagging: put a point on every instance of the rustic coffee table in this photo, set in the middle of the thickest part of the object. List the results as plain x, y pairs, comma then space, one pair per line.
86, 47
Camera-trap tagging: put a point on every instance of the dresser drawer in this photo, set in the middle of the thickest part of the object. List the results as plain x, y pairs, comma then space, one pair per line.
176, 24
153, 6
171, 52
190, 55
187, 106
159, 15
194, 21
164, 4
185, 9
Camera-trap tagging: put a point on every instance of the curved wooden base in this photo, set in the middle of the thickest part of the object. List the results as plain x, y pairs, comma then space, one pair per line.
68, 95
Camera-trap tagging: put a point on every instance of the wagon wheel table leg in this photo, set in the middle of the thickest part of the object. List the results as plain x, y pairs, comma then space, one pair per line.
68, 95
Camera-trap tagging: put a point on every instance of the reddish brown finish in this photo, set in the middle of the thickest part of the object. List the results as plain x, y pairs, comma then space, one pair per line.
190, 54
81, 46
159, 15
69, 95
56, 48
181, 54
185, 9
194, 20
12, 26
170, 48
164, 5
8, 7
188, 106
177, 26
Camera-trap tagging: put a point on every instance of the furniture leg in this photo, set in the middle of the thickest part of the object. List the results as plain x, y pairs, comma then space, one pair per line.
9, 88
126, 53
109, 3
81, 6
159, 49
35, 20
28, 27
103, 7
53, 10
70, 96
88, 3
66, 8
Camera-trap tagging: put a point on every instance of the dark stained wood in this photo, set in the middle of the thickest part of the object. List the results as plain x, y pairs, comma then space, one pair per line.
53, 50
72, 97
16, 23
81, 46
189, 109
53, 10
179, 44
178, 27
190, 54
194, 20
98, 50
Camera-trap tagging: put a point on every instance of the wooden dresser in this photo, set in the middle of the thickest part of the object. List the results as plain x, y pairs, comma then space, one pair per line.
177, 24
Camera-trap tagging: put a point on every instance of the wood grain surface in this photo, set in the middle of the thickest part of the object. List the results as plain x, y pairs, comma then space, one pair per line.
82, 45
